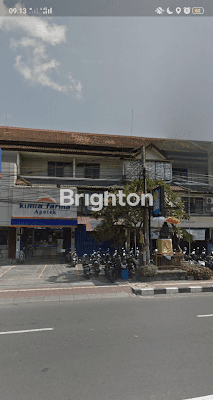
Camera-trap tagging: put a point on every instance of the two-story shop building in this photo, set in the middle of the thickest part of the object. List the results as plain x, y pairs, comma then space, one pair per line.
35, 164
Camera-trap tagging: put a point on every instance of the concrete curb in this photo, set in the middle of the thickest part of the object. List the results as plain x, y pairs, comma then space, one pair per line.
171, 290
16, 296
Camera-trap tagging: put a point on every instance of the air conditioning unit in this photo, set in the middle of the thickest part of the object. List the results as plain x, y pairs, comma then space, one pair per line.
209, 200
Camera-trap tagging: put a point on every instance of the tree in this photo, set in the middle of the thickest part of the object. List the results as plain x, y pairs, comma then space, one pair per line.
118, 220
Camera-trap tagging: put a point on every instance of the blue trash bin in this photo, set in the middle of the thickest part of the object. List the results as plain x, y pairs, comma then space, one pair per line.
125, 274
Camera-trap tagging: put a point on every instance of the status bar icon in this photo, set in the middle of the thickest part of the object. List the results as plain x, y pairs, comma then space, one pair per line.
159, 10
197, 10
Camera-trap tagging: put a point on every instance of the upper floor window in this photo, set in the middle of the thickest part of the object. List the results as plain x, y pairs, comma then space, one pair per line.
159, 170
196, 205
60, 169
180, 173
91, 171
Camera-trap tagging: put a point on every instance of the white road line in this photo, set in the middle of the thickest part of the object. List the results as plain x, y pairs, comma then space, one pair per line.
202, 398
207, 315
7, 271
42, 271
30, 330
182, 283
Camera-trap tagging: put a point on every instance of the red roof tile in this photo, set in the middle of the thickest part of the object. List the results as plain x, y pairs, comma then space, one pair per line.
79, 139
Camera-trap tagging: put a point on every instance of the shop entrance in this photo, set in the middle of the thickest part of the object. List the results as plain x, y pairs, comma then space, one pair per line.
45, 242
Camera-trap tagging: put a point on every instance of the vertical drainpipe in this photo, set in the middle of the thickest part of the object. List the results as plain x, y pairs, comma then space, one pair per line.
18, 163
74, 167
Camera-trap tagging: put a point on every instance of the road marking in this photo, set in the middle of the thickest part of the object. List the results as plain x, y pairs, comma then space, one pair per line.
207, 315
7, 270
30, 330
42, 271
180, 283
202, 398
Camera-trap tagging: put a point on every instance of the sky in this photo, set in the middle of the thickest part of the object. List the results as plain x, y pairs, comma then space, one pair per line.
87, 74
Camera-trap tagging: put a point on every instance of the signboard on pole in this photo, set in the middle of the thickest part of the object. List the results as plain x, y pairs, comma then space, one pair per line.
199, 234
158, 201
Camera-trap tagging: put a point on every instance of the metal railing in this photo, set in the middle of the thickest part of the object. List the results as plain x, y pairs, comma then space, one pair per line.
164, 261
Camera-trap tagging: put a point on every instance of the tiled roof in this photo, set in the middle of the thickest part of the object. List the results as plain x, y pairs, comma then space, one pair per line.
93, 140
22, 182
62, 150
91, 223
74, 182
178, 188
85, 221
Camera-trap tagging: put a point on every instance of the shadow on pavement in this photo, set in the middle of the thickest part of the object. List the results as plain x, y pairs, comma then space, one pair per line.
45, 260
66, 277
70, 276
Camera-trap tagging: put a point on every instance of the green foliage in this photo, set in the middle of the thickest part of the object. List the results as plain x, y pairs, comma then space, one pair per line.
147, 271
118, 220
184, 235
199, 272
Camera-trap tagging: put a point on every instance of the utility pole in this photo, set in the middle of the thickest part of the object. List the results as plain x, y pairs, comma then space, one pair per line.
189, 217
146, 209
132, 122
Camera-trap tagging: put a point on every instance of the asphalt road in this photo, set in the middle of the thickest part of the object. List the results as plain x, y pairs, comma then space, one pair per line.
110, 349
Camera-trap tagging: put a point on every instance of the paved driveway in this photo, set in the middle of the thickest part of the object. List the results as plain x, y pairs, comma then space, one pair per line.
47, 273
39, 272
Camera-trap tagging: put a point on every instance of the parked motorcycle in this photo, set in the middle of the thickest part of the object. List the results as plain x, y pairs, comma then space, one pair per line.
96, 268
86, 266
74, 259
95, 260
111, 272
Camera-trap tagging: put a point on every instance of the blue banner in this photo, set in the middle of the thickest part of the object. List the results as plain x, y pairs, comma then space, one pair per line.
43, 222
158, 201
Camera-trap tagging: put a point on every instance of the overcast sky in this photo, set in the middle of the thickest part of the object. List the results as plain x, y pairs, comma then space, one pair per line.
86, 74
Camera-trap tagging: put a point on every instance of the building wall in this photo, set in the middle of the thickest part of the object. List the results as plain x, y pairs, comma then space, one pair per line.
33, 166
37, 165
111, 168
198, 174
7, 181
210, 164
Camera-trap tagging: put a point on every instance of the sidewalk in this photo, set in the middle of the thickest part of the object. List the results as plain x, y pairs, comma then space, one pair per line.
58, 282
90, 291
61, 294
